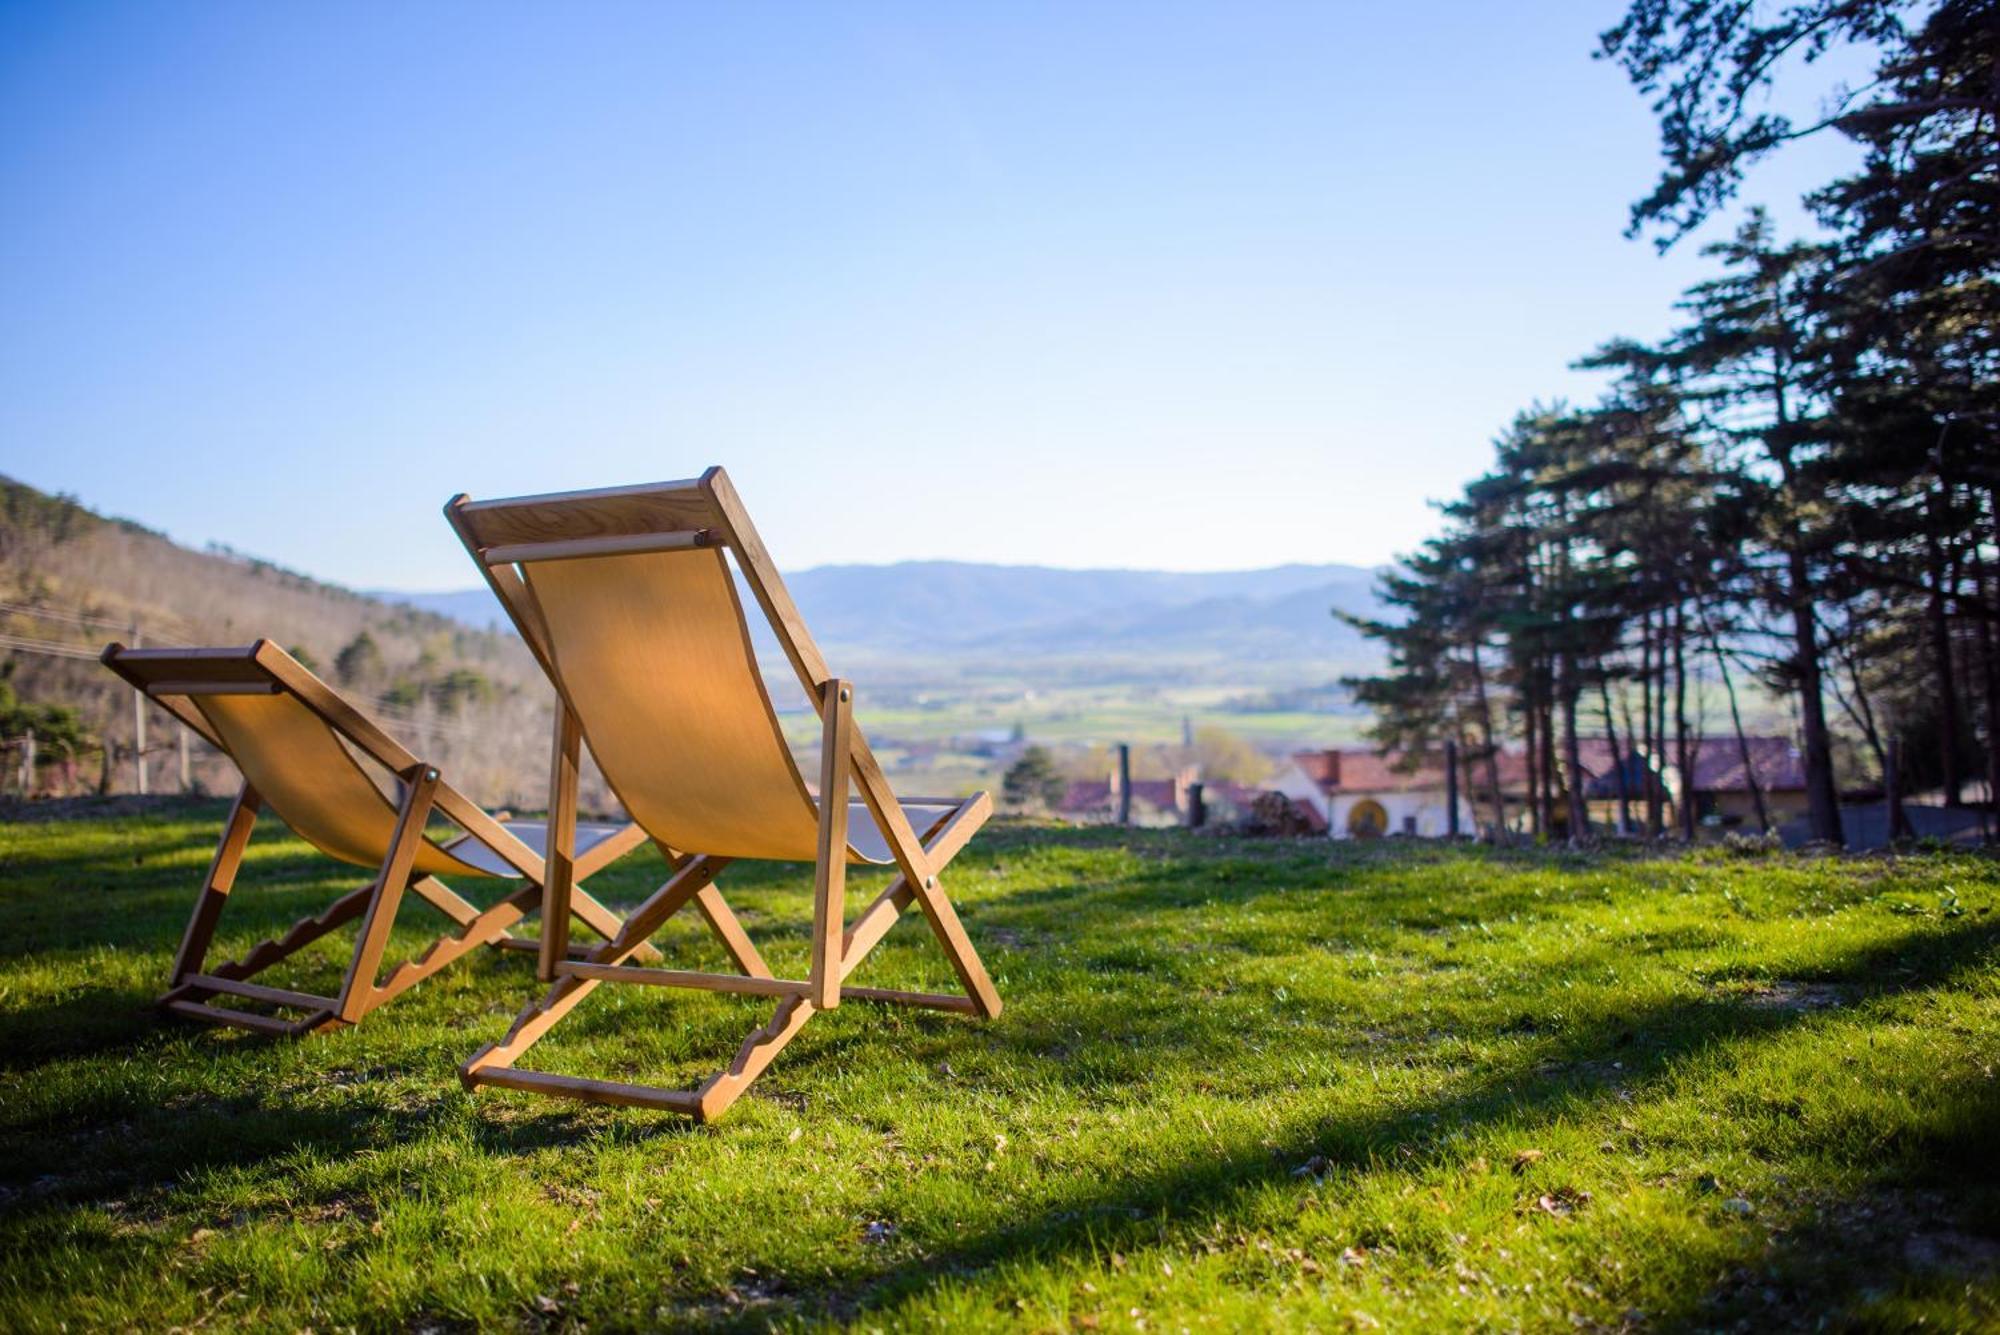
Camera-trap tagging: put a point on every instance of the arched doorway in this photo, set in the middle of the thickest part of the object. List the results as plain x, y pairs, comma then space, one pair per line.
1367, 820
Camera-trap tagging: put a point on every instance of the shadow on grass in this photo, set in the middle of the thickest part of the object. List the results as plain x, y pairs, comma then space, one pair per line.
1652, 1046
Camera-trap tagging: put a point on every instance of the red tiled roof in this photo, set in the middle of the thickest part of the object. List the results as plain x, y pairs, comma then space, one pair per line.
1357, 770
1718, 765
1095, 795
1086, 795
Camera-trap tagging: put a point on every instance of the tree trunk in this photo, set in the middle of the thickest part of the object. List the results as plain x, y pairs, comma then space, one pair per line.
1617, 757
1579, 815
1947, 681
1491, 749
1683, 752
1650, 743
1736, 722
1993, 673
1532, 753
1548, 731
1822, 799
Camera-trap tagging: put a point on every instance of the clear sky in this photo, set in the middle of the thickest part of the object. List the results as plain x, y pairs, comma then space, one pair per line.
1200, 287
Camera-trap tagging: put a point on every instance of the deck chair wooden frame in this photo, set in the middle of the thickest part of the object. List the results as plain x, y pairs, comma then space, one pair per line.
512, 540
318, 789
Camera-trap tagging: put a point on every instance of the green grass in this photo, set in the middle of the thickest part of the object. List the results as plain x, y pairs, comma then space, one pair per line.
1237, 1086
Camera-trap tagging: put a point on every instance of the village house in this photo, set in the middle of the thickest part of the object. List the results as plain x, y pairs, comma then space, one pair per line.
1158, 802
1154, 801
1357, 794
1719, 784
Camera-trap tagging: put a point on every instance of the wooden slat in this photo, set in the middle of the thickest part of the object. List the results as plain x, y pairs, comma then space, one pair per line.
722, 921
556, 517
589, 1091
215, 887
727, 1085
607, 851
943, 1001
154, 688
529, 945
299, 935
445, 900
505, 581
262, 1024
836, 705
701, 982
358, 988
236, 987
615, 544
760, 572
483, 930
899, 894
564, 762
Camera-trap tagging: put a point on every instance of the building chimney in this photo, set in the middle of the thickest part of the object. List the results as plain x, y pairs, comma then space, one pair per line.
1121, 784
1332, 768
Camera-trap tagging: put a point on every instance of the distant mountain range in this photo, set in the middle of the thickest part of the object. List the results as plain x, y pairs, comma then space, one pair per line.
1281, 616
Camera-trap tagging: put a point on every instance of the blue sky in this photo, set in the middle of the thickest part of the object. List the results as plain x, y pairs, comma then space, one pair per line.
1197, 287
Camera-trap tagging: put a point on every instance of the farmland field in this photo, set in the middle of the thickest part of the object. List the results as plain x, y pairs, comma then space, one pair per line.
1237, 1085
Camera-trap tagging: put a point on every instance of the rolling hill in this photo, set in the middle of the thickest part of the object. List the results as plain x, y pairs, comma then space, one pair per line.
949, 649
1245, 624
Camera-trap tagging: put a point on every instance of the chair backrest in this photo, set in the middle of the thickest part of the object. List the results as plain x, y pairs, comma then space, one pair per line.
283, 726
625, 596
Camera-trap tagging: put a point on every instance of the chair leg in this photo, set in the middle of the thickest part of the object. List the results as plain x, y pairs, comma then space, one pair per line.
494, 1063
538, 1017
190, 985
215, 887
875, 922
358, 990
559, 868
830, 873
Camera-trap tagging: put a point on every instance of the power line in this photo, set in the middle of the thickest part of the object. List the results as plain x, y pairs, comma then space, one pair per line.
75, 618
53, 648
389, 710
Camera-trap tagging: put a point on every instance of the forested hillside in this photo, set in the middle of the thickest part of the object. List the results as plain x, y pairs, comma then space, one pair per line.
72, 581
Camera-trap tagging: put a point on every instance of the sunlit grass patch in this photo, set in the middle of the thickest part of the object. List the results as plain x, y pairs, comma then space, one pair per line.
1237, 1085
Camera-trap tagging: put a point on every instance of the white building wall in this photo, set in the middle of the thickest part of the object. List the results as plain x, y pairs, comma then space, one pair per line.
1429, 810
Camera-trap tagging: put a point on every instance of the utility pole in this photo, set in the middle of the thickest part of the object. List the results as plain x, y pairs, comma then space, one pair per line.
139, 723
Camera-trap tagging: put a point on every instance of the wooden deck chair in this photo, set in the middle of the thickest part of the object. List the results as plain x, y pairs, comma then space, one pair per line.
284, 728
627, 599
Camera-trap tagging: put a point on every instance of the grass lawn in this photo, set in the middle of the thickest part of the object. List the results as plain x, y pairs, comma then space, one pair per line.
1237, 1085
